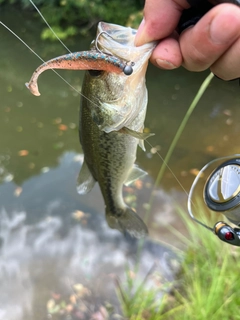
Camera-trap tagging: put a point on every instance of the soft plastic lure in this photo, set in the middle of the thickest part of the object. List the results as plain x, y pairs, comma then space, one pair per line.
83, 60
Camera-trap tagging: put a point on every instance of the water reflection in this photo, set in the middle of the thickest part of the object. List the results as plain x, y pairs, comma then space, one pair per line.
43, 248
34, 123
61, 240
53, 192
42, 126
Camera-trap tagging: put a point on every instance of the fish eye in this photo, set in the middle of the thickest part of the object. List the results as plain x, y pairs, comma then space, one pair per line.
95, 73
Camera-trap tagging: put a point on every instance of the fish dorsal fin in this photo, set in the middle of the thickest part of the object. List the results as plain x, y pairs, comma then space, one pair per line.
135, 174
85, 181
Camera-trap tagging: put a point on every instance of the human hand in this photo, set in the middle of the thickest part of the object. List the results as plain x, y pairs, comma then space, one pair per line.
214, 42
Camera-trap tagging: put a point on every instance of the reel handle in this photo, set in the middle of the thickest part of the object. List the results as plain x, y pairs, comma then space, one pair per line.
227, 233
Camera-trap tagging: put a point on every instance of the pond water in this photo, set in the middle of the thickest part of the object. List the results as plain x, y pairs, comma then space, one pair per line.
52, 238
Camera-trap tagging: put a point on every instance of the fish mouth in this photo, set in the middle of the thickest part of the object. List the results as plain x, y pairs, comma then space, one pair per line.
114, 52
119, 41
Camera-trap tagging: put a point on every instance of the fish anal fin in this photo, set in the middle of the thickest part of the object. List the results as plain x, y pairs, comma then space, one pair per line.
135, 174
85, 181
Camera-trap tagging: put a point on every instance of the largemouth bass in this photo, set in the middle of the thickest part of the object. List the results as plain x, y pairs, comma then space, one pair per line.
111, 118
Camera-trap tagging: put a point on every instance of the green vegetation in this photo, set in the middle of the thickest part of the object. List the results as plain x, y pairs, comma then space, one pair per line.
207, 285
73, 17
178, 134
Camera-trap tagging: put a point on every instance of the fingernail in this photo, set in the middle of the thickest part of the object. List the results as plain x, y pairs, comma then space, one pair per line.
222, 35
164, 64
141, 36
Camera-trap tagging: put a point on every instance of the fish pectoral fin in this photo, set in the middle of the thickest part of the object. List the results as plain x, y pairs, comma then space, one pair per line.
136, 134
135, 174
141, 145
85, 181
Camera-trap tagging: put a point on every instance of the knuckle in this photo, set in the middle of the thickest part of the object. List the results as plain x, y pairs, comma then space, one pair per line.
197, 60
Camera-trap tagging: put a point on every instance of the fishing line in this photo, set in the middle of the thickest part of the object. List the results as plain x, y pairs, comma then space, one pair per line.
100, 51
21, 40
41, 15
191, 108
167, 166
173, 174
221, 229
127, 70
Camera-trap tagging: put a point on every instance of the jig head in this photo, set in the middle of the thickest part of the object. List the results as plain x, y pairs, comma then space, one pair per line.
222, 194
127, 69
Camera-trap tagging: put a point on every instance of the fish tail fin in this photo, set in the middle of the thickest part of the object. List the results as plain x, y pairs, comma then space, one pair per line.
126, 220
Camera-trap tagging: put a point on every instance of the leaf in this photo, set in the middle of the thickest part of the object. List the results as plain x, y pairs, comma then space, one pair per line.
23, 153
18, 191
56, 296
50, 304
81, 290
57, 120
138, 184
79, 215
195, 172
62, 127
73, 299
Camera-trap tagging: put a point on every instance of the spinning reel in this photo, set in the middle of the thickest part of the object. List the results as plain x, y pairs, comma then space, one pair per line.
221, 193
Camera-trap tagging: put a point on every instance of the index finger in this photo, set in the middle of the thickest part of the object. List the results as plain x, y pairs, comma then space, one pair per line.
161, 18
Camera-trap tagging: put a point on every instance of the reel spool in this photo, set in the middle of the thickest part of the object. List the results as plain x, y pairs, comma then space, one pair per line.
222, 190
221, 193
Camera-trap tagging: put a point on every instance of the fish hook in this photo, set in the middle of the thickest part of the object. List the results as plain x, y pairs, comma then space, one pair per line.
127, 69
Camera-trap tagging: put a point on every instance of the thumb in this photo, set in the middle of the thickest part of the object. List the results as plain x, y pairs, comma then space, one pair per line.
161, 18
